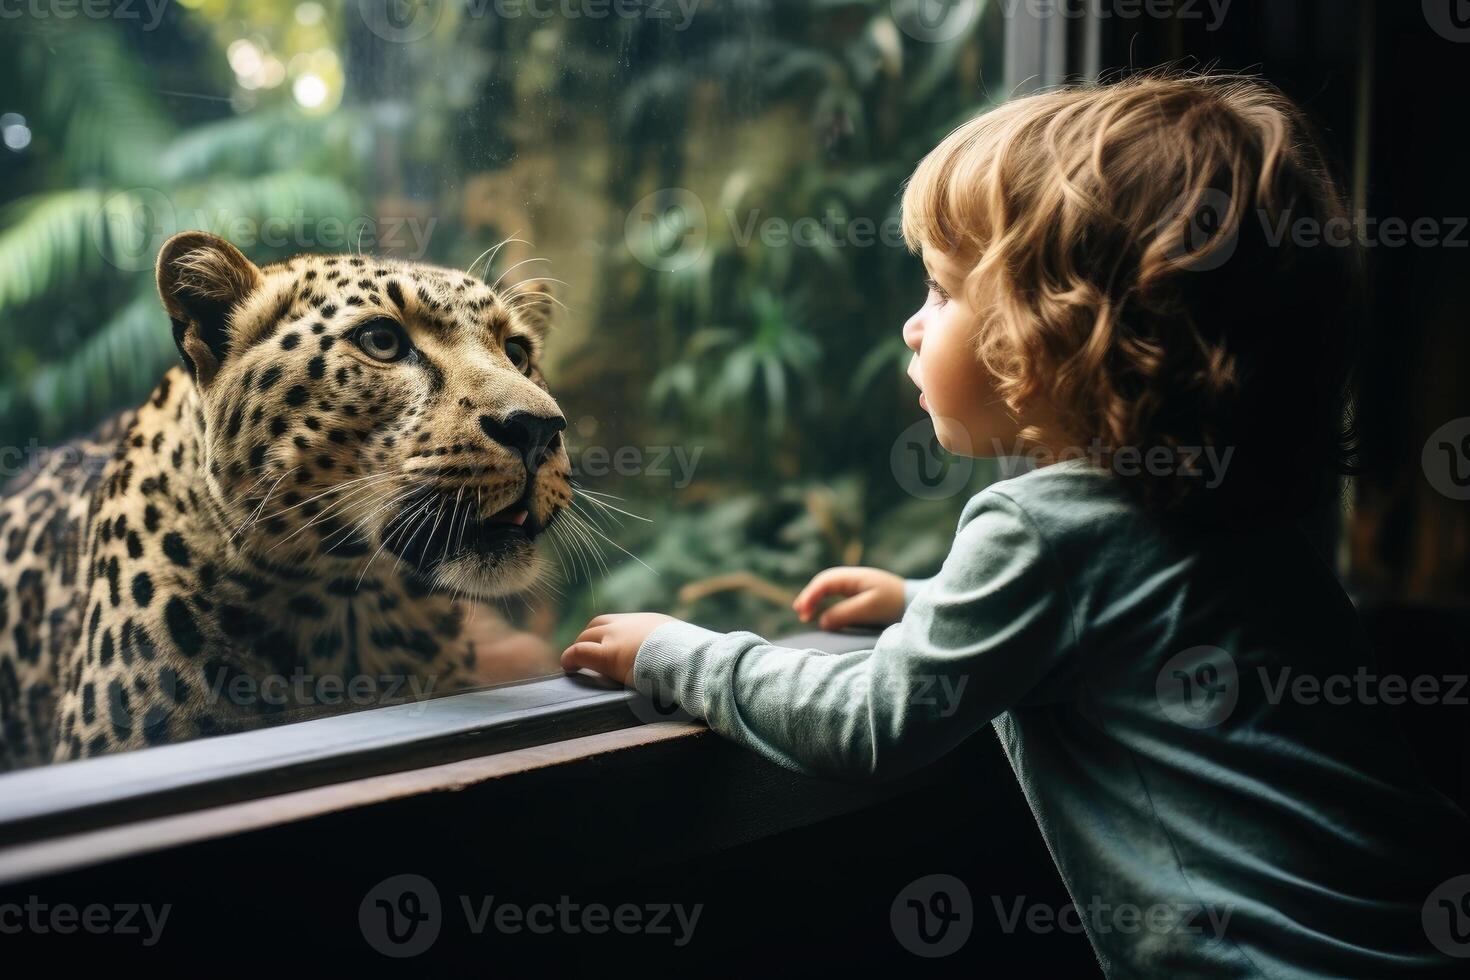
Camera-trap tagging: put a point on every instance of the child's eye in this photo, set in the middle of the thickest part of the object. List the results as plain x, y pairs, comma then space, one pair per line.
937, 290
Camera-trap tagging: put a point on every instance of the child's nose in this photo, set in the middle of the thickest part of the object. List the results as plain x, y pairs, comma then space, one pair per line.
913, 332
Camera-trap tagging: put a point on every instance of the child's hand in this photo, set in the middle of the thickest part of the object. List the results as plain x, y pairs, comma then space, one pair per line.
874, 598
609, 643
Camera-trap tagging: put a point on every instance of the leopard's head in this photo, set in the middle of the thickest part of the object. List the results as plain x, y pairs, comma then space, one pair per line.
358, 414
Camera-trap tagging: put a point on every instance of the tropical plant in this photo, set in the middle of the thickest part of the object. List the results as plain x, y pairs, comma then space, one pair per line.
76, 251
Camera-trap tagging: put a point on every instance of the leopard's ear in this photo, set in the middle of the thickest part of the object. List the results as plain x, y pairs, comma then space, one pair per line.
202, 279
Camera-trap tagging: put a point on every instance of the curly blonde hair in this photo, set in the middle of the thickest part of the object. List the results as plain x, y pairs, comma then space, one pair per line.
1135, 264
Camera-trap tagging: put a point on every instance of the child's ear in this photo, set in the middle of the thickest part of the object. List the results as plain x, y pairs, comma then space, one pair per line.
202, 279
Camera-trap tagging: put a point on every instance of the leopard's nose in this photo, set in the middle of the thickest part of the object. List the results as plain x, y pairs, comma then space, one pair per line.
532, 437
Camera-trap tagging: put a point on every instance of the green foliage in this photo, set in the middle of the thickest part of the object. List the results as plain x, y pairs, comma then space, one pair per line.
778, 363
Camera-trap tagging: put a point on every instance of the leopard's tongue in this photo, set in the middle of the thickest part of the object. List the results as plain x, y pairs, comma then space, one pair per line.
510, 515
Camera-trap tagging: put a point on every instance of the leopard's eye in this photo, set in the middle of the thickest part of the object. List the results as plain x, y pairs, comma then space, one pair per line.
382, 340
519, 354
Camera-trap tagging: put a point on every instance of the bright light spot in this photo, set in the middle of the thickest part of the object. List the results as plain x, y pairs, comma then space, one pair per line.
245, 58
310, 91
17, 136
272, 72
12, 119
310, 14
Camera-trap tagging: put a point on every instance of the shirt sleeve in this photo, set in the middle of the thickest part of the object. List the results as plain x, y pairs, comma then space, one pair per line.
975, 640
911, 587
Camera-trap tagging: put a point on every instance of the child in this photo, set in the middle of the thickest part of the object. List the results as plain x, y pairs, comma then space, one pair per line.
1111, 289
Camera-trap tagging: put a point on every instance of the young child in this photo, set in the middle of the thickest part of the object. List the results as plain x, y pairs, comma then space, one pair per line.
1119, 284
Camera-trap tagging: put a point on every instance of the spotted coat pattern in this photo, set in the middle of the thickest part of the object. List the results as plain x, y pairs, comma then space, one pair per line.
291, 521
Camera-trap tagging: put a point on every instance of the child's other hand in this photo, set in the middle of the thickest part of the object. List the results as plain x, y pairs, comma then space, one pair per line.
609, 643
874, 598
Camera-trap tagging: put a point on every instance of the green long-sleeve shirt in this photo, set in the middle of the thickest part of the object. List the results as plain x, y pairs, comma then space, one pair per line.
1146, 683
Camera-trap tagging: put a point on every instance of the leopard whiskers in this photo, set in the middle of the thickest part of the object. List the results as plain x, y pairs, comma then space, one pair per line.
610, 541
496, 284
332, 509
245, 494
397, 500
607, 508
493, 251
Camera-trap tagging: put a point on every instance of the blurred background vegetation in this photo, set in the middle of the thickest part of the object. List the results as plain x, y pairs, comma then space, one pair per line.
660, 163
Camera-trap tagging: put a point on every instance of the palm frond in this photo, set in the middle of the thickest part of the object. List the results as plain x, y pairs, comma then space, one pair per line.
114, 367
96, 94
56, 239
261, 142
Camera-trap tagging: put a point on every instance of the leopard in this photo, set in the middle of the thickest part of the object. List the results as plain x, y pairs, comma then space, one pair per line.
352, 455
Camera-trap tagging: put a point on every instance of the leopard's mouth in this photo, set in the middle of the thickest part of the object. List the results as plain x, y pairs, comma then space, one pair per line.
438, 527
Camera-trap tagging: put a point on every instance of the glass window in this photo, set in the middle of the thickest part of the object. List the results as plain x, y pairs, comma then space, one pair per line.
708, 190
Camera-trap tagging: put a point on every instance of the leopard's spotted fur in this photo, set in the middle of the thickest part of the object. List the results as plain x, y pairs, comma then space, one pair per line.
283, 510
